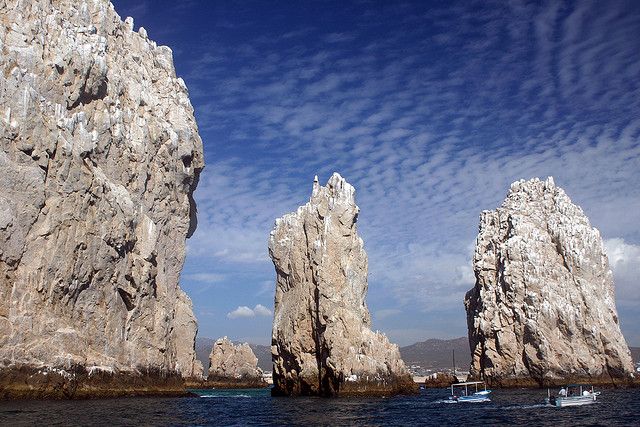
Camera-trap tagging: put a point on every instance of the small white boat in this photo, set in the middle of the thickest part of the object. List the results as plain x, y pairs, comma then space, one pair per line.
464, 396
573, 395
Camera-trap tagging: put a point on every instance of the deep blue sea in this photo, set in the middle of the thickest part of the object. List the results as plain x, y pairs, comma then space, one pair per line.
257, 407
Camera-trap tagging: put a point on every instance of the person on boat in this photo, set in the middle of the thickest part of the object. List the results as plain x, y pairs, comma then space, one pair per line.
586, 393
562, 392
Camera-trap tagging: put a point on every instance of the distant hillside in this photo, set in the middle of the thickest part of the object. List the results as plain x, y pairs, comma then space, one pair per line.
432, 353
203, 349
435, 353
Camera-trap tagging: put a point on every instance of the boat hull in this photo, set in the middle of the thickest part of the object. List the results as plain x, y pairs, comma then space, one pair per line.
561, 402
473, 399
477, 397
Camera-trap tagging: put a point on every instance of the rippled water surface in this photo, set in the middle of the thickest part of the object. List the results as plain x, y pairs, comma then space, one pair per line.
257, 407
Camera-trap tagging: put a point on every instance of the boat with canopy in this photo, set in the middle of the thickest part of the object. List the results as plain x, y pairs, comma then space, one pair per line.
471, 393
573, 395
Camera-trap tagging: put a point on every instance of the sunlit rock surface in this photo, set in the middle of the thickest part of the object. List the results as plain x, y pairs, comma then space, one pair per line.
543, 308
99, 157
322, 343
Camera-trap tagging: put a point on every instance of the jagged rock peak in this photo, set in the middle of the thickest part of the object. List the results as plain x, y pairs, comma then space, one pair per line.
321, 342
233, 363
100, 155
542, 310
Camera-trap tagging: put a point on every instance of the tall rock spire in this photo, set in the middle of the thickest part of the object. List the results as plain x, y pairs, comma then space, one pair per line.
542, 310
322, 343
99, 157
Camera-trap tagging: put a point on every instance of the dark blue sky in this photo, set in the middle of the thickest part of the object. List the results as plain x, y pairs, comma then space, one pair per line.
430, 109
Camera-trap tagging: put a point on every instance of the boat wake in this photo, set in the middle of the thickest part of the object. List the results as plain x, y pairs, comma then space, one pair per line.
536, 405
210, 396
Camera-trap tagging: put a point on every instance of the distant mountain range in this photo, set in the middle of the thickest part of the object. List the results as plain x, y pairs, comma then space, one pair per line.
438, 354
432, 353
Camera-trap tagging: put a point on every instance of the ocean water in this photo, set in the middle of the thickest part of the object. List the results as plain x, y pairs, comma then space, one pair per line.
257, 407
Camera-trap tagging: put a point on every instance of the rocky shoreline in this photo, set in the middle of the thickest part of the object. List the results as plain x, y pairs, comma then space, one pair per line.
528, 382
77, 382
85, 383
227, 383
389, 386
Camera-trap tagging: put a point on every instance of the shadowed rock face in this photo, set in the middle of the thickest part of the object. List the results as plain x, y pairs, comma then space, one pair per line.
322, 343
543, 309
99, 157
233, 366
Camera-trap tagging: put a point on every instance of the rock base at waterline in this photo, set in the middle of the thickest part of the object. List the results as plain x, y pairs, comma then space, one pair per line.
528, 382
81, 383
390, 386
227, 383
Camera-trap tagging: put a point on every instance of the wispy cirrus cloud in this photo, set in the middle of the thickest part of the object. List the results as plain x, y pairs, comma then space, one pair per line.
430, 111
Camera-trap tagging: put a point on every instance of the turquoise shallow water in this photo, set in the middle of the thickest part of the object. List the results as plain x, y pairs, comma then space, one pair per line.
257, 407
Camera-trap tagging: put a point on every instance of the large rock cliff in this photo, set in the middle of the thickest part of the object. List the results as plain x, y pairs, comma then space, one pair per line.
543, 309
233, 366
322, 343
99, 157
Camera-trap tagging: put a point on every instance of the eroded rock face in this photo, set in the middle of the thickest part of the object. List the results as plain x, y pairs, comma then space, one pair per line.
233, 366
543, 309
322, 343
99, 157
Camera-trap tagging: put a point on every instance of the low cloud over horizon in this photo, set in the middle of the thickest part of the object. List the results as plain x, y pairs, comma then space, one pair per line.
244, 311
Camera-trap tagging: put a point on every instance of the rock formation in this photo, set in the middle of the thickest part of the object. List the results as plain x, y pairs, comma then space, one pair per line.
440, 380
99, 157
542, 310
233, 366
322, 343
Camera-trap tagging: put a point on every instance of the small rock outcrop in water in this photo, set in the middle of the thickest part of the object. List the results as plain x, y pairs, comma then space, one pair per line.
322, 343
543, 310
233, 366
99, 157
440, 380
